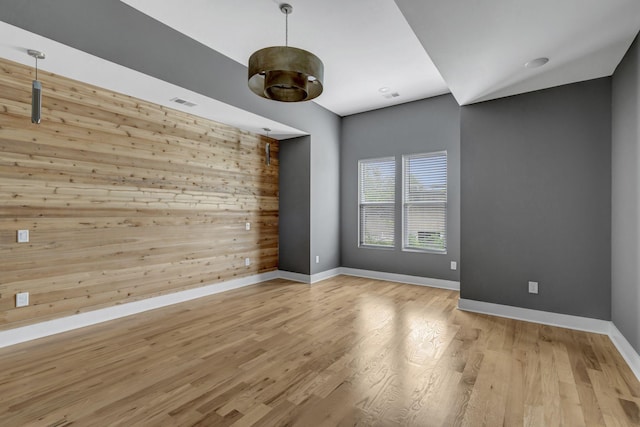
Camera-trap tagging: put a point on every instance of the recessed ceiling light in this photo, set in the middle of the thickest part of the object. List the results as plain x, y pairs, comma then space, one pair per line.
384, 89
538, 62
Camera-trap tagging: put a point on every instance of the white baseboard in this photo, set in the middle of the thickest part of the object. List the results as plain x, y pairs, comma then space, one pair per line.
309, 279
68, 323
402, 278
629, 354
544, 317
326, 275
51, 327
63, 324
586, 324
370, 274
296, 277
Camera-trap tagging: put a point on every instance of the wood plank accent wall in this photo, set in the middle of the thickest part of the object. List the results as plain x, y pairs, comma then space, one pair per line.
124, 199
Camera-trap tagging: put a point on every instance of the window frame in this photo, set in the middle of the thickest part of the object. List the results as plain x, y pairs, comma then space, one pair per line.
405, 244
361, 244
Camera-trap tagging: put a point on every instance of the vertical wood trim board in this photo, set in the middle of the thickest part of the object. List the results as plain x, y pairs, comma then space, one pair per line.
124, 199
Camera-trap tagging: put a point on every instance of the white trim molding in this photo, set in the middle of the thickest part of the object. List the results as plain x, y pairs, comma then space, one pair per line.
536, 316
68, 323
310, 279
370, 274
402, 278
605, 327
64, 324
295, 277
629, 354
324, 275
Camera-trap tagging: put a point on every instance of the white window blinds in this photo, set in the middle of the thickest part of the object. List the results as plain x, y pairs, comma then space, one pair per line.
425, 202
377, 182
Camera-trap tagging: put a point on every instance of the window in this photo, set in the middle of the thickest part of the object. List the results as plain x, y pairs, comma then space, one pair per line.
424, 207
376, 202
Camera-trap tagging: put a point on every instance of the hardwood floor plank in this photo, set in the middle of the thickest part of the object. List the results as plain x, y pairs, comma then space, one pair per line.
347, 351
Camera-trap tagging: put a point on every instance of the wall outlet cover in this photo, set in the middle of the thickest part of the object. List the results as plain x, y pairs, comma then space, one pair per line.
533, 287
247, 226
247, 262
23, 236
454, 265
22, 299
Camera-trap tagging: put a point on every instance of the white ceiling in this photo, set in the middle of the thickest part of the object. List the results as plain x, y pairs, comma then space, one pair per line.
479, 47
364, 44
75, 64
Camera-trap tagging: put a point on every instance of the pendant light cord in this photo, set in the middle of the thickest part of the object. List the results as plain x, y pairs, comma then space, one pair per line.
36, 54
286, 29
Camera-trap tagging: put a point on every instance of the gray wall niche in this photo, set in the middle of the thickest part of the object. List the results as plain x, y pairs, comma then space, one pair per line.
294, 220
416, 127
536, 200
625, 243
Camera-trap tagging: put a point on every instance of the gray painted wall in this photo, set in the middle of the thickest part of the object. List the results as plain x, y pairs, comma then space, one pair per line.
116, 32
417, 127
536, 200
530, 144
625, 246
295, 226
325, 199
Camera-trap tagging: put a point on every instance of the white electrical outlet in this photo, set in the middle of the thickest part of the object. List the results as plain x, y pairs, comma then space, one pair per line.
317, 259
22, 299
247, 226
23, 236
247, 262
533, 287
454, 265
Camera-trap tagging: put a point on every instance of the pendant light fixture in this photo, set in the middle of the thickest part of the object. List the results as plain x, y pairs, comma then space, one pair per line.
284, 73
267, 148
36, 90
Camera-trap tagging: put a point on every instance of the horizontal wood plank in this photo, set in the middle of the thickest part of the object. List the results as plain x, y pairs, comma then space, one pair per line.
346, 351
124, 199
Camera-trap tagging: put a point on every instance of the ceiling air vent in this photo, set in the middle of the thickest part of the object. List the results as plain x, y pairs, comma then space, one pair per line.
183, 102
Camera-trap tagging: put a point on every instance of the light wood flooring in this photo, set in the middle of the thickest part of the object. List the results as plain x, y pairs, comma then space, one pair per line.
346, 351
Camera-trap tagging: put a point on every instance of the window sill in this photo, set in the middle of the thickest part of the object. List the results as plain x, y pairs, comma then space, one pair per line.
425, 251
384, 248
